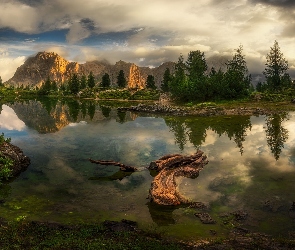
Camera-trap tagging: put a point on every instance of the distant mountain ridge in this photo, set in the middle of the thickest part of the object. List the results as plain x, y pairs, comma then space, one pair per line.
38, 68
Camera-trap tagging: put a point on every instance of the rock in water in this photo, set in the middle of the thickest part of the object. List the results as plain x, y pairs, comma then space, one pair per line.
163, 189
14, 153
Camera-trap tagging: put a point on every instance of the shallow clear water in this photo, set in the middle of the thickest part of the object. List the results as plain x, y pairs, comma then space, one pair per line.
251, 167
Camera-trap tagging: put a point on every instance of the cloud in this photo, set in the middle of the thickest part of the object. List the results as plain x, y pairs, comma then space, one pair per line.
277, 3
157, 31
19, 17
77, 32
8, 65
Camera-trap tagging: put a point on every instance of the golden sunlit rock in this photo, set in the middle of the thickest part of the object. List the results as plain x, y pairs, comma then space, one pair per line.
136, 81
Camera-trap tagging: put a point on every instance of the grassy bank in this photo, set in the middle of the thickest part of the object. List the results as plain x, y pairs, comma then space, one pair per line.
36, 235
120, 235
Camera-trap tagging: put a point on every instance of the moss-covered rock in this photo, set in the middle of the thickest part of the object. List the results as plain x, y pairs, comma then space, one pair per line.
12, 160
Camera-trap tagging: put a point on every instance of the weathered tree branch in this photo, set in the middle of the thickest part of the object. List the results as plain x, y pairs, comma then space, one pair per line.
123, 167
163, 189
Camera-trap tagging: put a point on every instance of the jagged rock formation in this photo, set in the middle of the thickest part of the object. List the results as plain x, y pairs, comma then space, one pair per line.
136, 81
36, 69
45, 64
163, 189
19, 160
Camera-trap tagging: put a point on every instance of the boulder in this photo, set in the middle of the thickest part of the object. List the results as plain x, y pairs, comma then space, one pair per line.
14, 153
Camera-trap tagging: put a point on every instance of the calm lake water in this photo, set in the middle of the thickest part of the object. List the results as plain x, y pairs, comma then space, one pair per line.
251, 167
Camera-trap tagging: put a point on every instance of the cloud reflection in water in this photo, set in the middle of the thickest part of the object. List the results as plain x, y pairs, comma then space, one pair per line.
9, 120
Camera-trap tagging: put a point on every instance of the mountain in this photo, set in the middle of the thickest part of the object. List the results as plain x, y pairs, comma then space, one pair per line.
38, 68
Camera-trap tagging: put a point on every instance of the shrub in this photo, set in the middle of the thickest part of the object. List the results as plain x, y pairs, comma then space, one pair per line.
5, 167
115, 94
146, 94
2, 139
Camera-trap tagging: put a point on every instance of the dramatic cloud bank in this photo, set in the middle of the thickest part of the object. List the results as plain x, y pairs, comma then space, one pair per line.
146, 33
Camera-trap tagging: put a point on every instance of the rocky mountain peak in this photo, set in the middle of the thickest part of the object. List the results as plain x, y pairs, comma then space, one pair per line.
38, 68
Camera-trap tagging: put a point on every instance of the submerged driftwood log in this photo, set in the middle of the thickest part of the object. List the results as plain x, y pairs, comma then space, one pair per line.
123, 167
163, 189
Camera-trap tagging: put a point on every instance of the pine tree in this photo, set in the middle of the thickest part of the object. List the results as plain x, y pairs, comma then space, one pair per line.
83, 82
178, 83
106, 81
214, 84
196, 67
90, 80
74, 84
1, 83
236, 79
45, 87
54, 86
121, 80
150, 82
166, 80
276, 68
62, 87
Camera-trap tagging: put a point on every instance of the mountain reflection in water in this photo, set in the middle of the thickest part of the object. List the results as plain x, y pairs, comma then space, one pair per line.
251, 166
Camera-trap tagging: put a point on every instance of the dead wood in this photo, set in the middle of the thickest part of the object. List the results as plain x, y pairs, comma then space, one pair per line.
163, 189
122, 166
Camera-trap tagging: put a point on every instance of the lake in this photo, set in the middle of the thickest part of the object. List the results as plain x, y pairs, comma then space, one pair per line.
251, 169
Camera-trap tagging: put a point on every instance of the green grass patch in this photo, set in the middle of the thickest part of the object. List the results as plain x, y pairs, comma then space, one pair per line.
115, 94
146, 94
35, 235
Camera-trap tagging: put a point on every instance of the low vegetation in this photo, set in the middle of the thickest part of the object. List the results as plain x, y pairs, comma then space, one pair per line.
5, 163
34, 235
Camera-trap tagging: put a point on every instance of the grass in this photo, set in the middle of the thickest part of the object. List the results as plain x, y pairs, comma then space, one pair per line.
36, 235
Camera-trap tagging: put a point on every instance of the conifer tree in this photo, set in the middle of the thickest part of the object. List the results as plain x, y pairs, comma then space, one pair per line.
276, 69
106, 81
74, 85
150, 82
45, 87
54, 86
196, 67
121, 80
83, 82
90, 80
178, 83
236, 79
166, 80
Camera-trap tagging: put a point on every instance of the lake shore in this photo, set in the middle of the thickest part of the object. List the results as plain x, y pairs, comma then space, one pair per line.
122, 235
212, 109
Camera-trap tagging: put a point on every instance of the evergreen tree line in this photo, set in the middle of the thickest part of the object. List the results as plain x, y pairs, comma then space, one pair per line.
192, 82
76, 83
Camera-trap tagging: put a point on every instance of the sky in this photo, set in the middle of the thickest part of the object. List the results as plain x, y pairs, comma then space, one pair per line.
146, 33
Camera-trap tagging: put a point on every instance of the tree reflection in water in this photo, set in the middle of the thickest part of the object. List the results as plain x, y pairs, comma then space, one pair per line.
195, 129
276, 134
49, 115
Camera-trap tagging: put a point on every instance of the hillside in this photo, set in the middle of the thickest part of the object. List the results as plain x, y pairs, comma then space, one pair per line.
36, 69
